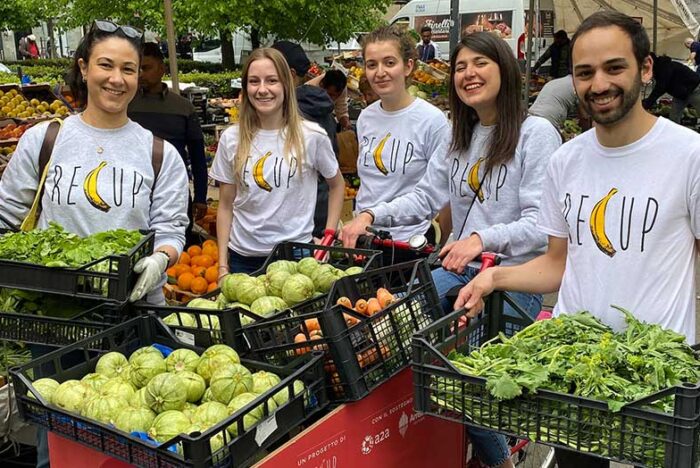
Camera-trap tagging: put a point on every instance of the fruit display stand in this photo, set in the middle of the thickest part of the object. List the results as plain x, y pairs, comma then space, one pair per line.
185, 450
379, 431
30, 102
636, 434
363, 348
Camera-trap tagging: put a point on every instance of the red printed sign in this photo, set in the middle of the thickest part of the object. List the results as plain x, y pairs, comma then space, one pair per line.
381, 430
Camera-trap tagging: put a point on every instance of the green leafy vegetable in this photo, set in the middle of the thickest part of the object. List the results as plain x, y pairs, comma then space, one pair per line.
578, 355
54, 247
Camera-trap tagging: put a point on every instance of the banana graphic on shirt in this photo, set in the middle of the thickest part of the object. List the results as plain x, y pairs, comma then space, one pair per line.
473, 180
597, 223
90, 189
258, 173
378, 155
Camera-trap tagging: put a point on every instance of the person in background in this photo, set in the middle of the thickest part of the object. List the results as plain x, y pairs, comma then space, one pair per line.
367, 92
28, 48
267, 168
694, 55
679, 81
174, 119
427, 49
557, 102
560, 54
602, 250
315, 105
334, 82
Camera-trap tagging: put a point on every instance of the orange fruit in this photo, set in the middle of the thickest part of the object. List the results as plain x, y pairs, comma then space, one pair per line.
212, 286
184, 281
199, 285
194, 250
172, 275
194, 261
210, 250
208, 242
184, 258
198, 271
181, 268
211, 274
206, 261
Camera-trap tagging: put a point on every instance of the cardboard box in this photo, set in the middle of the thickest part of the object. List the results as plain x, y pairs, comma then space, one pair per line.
346, 214
381, 430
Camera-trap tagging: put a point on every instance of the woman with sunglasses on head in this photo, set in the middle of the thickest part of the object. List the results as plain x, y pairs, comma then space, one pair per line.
399, 133
267, 168
102, 171
490, 172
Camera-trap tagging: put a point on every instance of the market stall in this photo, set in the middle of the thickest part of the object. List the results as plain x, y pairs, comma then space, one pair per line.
325, 356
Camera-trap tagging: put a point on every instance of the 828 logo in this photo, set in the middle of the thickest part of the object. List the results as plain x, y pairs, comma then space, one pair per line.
371, 441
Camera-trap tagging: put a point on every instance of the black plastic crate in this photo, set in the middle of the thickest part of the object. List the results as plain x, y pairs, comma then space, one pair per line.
226, 325
339, 257
362, 356
637, 434
54, 331
194, 448
115, 283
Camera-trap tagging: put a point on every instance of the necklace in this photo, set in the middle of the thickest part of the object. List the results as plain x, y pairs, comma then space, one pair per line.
99, 147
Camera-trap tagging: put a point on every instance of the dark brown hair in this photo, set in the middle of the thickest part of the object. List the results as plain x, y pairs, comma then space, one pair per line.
75, 77
509, 108
632, 27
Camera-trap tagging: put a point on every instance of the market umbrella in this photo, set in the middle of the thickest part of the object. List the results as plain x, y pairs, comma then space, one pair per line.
671, 27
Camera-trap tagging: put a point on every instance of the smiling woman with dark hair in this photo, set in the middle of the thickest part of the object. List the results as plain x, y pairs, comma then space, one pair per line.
104, 168
105, 172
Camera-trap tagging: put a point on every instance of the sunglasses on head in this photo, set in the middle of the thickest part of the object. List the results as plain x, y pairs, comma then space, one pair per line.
111, 27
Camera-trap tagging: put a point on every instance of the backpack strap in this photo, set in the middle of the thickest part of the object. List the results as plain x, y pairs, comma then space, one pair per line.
44, 158
156, 161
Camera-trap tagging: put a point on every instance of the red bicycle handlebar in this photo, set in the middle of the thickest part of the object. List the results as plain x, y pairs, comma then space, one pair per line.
328, 239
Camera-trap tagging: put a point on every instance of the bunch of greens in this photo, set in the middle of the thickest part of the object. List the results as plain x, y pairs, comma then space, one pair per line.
54, 247
578, 355
11, 355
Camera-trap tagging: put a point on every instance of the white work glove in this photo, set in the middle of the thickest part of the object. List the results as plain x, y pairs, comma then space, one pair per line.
151, 271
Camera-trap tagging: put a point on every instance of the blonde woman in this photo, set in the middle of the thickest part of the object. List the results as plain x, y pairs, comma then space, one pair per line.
266, 167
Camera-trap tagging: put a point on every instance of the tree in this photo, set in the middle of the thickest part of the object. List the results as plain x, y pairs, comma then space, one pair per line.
315, 21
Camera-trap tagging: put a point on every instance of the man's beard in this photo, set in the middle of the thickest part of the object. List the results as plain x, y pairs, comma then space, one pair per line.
629, 99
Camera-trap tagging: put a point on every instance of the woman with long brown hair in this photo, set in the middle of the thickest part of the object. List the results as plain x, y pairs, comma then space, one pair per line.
266, 167
490, 173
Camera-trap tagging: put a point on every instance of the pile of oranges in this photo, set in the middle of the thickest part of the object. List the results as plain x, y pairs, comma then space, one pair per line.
197, 270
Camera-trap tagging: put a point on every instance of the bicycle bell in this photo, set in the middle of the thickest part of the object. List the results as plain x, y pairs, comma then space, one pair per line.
418, 242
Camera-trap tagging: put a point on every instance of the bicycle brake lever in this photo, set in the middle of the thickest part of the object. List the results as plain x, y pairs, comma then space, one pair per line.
379, 233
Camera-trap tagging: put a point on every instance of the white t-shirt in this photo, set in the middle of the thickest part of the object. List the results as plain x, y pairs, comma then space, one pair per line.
395, 148
276, 202
631, 216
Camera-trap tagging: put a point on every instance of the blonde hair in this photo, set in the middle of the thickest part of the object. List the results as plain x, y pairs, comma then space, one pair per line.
249, 123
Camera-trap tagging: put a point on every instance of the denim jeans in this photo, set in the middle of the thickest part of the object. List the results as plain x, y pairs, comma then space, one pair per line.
446, 280
238, 263
491, 447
